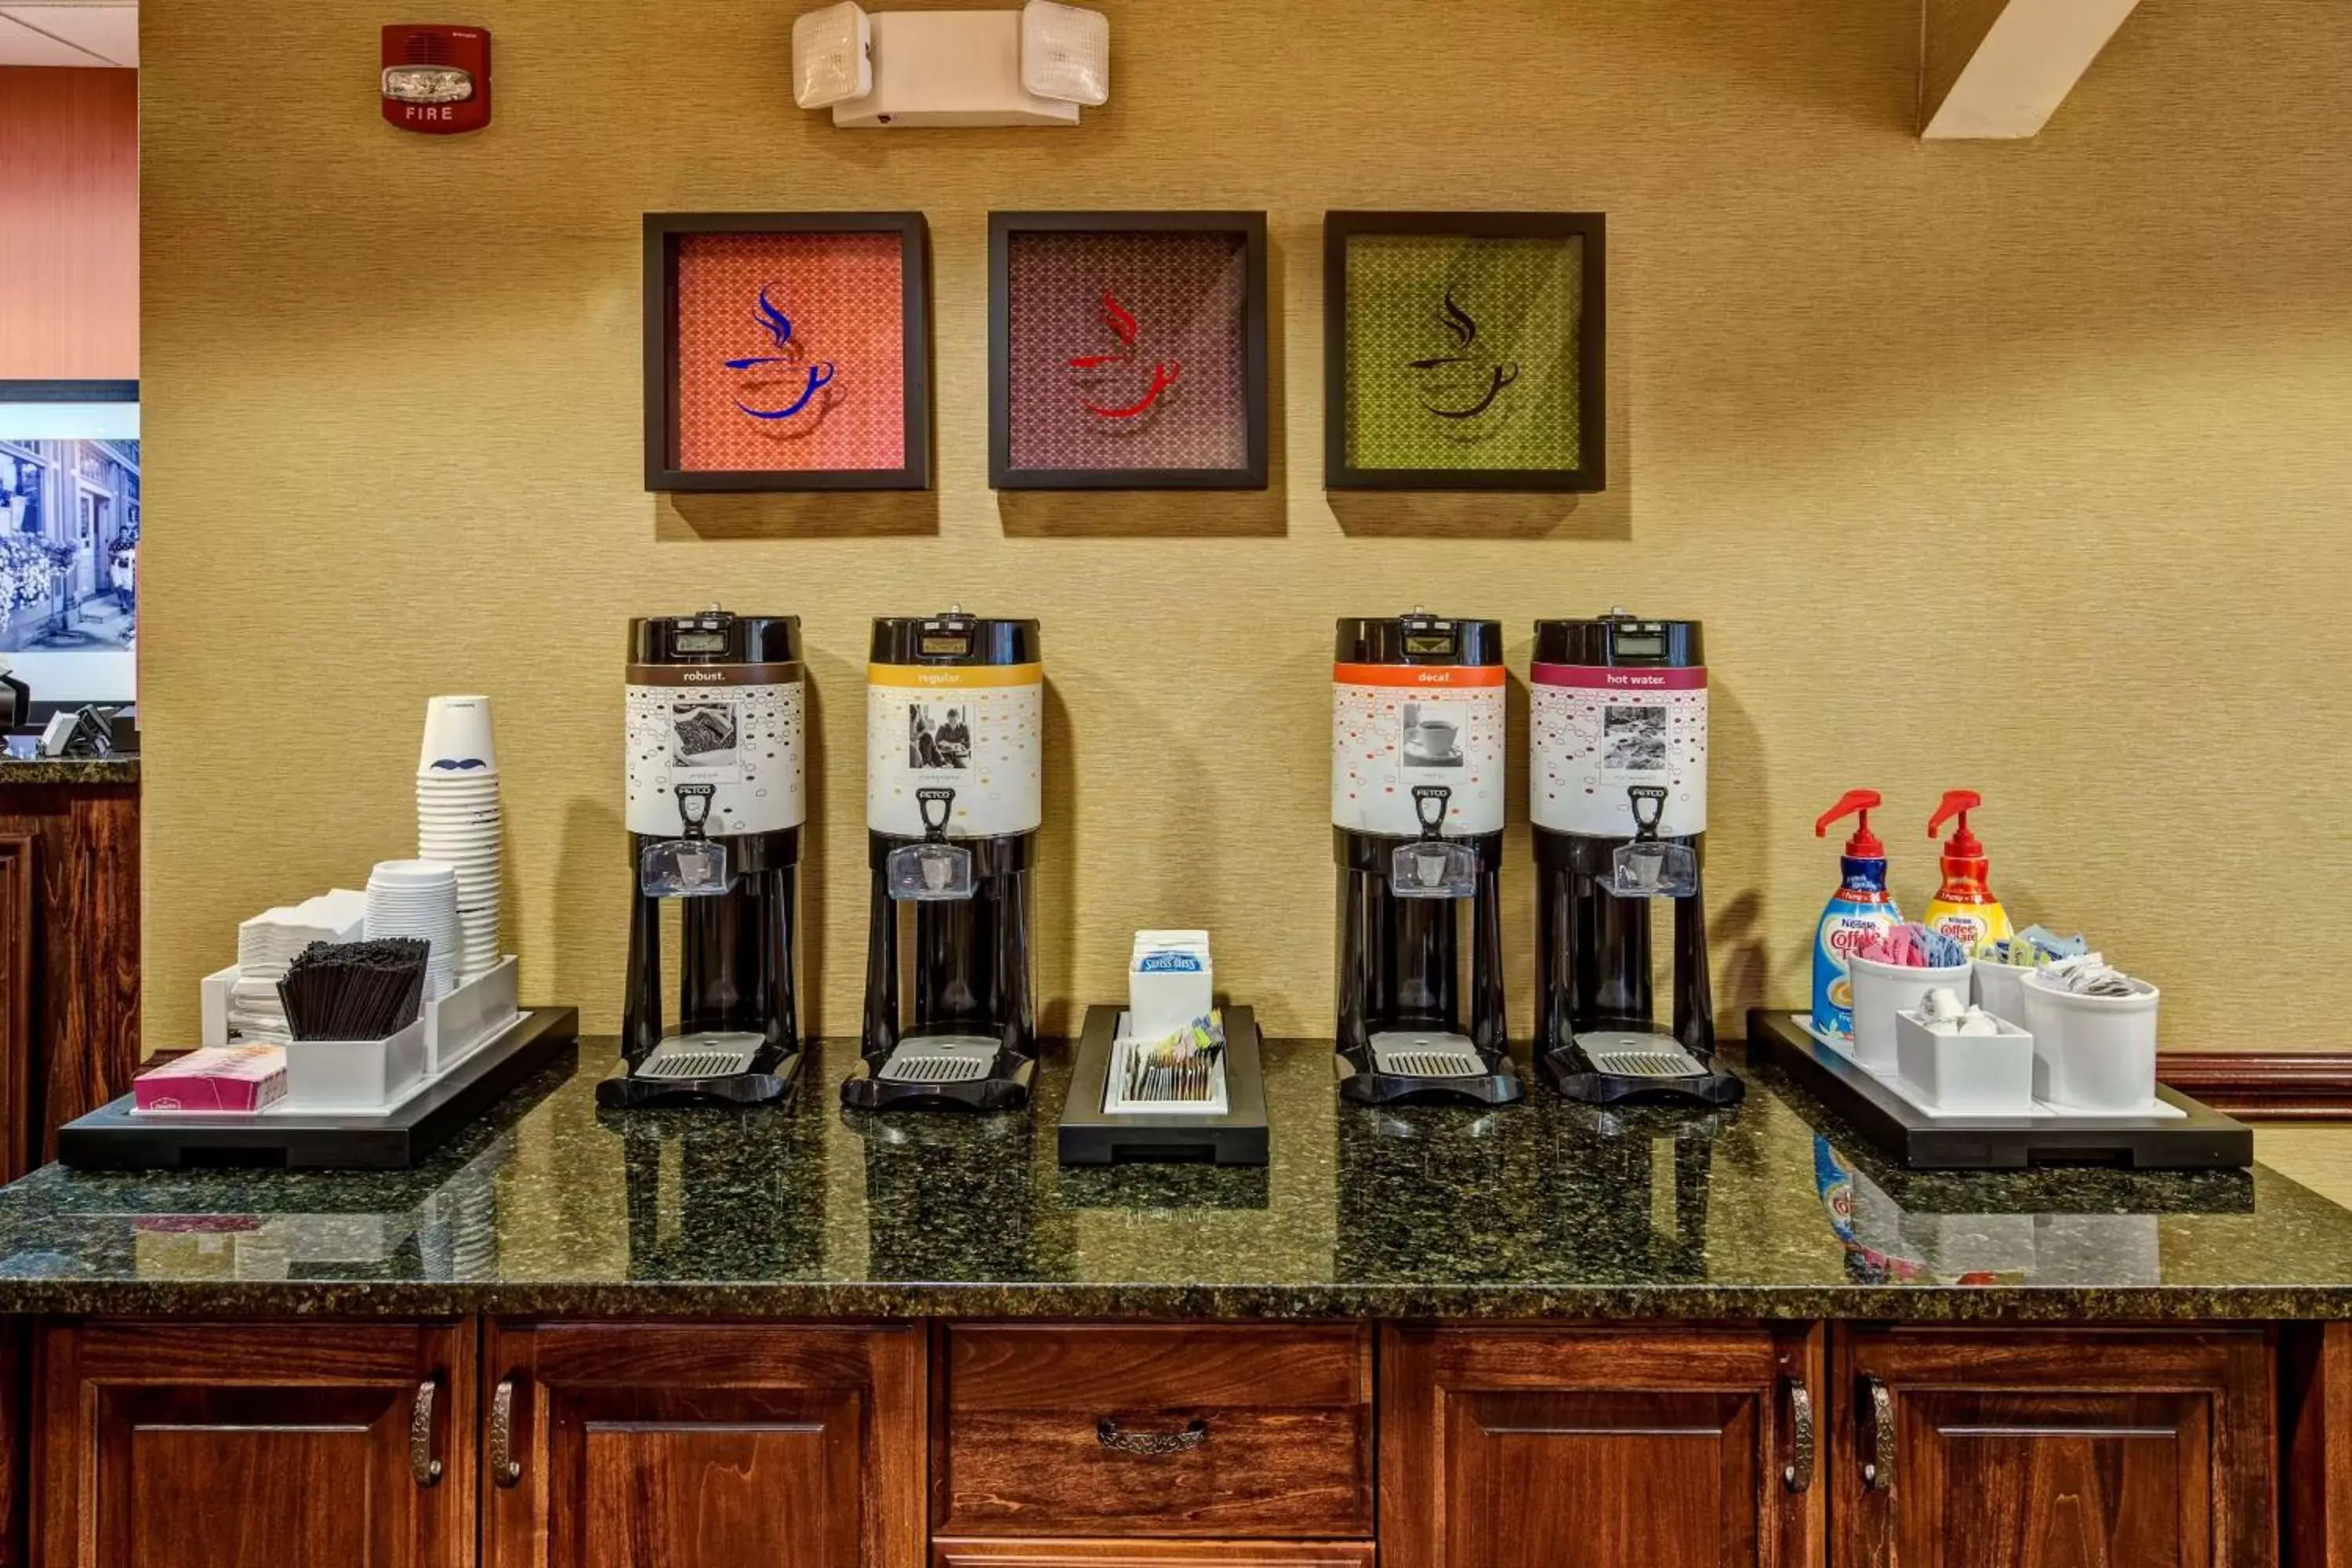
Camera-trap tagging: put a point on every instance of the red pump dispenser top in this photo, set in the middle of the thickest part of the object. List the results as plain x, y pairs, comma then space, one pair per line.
1864, 843
1959, 803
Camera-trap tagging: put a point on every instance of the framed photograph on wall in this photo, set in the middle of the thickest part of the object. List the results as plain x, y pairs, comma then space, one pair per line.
1465, 351
1127, 351
787, 351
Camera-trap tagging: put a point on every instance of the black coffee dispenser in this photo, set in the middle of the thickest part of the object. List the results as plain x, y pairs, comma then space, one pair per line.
1618, 708
716, 735
955, 731
1417, 790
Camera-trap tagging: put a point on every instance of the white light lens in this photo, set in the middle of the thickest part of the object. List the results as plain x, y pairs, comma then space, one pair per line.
832, 57
427, 84
1064, 52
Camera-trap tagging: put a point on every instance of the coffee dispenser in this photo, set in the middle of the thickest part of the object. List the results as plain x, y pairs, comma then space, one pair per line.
716, 735
954, 734
1617, 796
1417, 785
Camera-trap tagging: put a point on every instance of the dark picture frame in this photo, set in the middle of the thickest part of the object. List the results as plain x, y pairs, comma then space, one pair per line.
1249, 229
663, 233
1590, 362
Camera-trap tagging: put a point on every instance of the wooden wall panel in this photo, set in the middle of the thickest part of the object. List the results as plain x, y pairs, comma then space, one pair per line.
68, 223
2066, 419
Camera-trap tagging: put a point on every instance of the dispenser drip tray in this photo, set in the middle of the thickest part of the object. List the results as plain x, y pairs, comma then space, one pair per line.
708, 1053
1412, 1053
1624, 1052
941, 1058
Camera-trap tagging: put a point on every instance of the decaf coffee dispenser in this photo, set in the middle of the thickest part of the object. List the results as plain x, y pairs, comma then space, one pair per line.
716, 735
1417, 788
1617, 796
954, 738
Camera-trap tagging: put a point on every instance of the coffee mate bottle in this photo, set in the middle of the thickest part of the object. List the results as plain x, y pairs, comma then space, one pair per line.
1861, 908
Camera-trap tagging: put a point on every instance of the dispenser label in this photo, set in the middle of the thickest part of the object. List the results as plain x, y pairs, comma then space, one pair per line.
1601, 730
976, 729
706, 725
1394, 726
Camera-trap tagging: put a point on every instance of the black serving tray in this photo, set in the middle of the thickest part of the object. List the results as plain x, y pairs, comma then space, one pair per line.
1090, 1136
112, 1138
2204, 1140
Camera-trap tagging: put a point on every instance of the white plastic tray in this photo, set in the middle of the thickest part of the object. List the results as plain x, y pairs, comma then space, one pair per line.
2155, 1110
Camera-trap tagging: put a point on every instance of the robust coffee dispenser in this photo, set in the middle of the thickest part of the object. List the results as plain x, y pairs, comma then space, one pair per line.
1417, 784
954, 734
716, 735
1618, 794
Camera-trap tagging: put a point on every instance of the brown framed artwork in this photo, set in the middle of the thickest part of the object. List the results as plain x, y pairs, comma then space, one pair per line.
1465, 351
1127, 351
787, 351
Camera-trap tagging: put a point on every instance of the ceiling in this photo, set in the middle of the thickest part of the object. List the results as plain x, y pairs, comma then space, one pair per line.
64, 33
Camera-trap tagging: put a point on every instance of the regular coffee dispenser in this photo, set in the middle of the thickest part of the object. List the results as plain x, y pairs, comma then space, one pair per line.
954, 739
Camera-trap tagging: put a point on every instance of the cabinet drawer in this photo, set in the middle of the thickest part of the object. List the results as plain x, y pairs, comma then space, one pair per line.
1193, 1430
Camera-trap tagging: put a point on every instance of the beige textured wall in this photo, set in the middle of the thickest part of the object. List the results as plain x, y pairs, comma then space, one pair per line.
2067, 418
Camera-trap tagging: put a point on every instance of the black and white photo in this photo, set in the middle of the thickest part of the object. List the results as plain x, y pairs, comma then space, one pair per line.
1434, 733
703, 735
1633, 739
939, 735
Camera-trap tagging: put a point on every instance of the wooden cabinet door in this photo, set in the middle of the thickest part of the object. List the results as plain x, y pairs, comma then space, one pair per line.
2073, 1449
705, 1445
1598, 1448
1095, 1552
177, 1444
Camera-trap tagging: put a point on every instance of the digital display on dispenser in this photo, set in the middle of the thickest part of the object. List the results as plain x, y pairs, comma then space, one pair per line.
1639, 644
1429, 642
697, 642
939, 645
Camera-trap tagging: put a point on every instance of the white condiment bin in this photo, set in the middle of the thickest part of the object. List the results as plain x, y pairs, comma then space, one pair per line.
2098, 1052
2001, 988
1883, 990
353, 1075
460, 1023
1966, 1075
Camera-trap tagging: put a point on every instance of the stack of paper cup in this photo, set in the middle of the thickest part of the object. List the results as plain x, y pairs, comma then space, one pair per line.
458, 818
419, 899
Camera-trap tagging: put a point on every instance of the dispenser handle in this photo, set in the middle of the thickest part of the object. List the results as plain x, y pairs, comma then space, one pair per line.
1957, 802
693, 807
1425, 796
1852, 801
1645, 825
942, 797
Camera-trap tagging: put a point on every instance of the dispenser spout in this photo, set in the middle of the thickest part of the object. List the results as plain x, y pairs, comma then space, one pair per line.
1959, 803
1864, 844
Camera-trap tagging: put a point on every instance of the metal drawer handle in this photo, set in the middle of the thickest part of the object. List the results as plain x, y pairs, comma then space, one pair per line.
504, 1469
1878, 1471
420, 1462
1797, 1475
1108, 1432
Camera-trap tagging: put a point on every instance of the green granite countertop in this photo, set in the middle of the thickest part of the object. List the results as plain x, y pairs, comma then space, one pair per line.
123, 768
550, 1206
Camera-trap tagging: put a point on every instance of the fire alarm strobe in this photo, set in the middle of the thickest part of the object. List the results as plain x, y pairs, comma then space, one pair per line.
437, 79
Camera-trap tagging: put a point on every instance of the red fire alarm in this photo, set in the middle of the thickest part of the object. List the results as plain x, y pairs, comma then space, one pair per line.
437, 79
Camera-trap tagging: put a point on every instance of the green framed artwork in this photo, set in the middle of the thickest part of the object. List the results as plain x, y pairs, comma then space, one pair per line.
1465, 351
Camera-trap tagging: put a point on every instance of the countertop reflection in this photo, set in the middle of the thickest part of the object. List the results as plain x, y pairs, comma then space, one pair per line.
1770, 1210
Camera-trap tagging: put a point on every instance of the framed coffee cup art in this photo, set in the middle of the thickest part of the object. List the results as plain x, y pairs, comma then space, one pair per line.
787, 351
1127, 351
1465, 351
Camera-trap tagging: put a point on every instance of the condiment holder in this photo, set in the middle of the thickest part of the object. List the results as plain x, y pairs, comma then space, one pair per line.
1880, 991
2092, 1053
1965, 1075
353, 1075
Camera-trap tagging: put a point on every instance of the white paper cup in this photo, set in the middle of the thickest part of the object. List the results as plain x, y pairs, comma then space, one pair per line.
457, 743
2099, 1051
1883, 990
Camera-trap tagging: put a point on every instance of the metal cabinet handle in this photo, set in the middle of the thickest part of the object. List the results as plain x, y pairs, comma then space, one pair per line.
1797, 1475
504, 1469
1878, 1471
420, 1462
1108, 1432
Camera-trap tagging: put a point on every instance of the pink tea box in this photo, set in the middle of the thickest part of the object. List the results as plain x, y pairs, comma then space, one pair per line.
232, 1079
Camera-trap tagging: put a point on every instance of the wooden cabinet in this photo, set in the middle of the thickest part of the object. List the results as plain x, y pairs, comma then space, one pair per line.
177, 1444
1238, 1430
1953, 1448
704, 1446
1598, 1448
